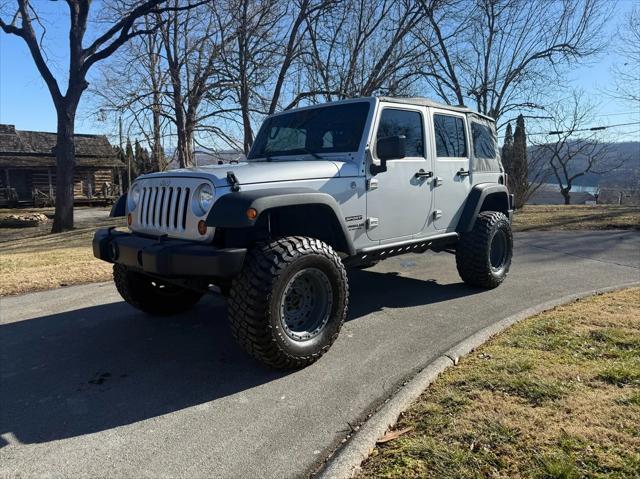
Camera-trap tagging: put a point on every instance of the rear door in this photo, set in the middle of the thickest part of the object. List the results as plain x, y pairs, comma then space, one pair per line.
452, 181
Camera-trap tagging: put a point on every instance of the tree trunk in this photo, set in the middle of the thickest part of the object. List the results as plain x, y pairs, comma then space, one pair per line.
157, 146
65, 166
246, 125
182, 140
188, 138
567, 196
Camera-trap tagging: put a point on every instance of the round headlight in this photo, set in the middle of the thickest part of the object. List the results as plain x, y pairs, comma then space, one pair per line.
133, 197
203, 199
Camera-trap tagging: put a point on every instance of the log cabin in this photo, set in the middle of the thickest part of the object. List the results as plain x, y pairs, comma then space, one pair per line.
28, 169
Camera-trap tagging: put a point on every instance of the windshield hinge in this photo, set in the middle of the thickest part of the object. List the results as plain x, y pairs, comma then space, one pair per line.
233, 181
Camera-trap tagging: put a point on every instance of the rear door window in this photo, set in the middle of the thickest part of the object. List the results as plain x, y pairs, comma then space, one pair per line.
405, 123
450, 136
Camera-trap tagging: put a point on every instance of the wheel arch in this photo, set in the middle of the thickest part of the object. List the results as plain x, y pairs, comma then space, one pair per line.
484, 197
284, 212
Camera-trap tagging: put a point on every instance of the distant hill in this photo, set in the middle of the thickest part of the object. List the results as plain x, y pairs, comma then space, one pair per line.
627, 176
204, 158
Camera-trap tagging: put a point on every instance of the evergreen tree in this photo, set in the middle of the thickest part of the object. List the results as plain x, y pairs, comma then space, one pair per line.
143, 162
521, 162
507, 155
129, 161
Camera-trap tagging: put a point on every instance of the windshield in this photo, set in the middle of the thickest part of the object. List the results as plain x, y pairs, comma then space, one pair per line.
328, 129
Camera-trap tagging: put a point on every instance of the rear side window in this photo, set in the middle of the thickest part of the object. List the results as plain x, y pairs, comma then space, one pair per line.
403, 123
484, 145
450, 136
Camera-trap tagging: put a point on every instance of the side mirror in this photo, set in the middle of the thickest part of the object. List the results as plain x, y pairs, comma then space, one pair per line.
388, 148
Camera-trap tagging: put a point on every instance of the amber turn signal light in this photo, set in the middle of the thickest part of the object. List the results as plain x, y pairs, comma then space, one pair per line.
129, 219
252, 214
202, 227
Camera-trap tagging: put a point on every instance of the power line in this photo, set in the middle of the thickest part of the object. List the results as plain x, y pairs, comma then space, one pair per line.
593, 128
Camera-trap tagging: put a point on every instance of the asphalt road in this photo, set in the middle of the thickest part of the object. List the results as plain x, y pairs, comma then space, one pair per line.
90, 387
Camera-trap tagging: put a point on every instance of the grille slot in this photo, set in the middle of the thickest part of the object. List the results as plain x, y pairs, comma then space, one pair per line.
164, 208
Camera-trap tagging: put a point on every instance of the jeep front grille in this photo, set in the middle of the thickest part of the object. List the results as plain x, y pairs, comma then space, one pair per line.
164, 208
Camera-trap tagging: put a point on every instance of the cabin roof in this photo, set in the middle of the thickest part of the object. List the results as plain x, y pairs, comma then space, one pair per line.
24, 149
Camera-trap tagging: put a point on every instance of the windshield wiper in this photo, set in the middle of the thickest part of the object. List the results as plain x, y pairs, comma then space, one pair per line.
268, 158
312, 153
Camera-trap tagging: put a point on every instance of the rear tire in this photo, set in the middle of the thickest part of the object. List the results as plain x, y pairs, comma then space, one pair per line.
287, 305
483, 255
150, 295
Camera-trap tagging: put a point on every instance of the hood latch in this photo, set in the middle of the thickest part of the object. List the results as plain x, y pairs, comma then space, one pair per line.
233, 181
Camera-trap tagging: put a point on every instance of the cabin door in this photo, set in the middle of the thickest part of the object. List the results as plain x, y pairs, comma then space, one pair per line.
20, 180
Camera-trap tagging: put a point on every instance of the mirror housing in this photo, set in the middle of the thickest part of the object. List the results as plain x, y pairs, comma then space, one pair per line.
388, 148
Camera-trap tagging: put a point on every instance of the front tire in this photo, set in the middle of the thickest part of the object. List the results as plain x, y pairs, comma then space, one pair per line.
287, 305
483, 255
150, 295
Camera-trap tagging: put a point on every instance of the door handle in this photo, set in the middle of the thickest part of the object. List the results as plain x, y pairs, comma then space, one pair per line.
463, 172
423, 174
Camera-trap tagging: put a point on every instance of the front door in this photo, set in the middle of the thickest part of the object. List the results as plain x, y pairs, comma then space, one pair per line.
398, 202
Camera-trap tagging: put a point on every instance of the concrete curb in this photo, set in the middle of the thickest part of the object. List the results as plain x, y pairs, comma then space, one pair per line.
346, 461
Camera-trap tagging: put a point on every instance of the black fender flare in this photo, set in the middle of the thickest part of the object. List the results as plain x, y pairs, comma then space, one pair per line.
230, 211
475, 200
119, 208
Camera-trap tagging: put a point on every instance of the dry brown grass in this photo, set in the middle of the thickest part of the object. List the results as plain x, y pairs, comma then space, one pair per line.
46, 262
555, 396
576, 217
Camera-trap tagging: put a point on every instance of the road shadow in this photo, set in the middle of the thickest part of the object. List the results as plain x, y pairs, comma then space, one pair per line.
371, 291
101, 367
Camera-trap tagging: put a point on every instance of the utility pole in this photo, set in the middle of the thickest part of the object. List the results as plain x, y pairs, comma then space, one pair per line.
123, 152
120, 130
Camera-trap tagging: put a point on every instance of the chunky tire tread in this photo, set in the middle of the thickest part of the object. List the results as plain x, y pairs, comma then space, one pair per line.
251, 295
472, 251
136, 290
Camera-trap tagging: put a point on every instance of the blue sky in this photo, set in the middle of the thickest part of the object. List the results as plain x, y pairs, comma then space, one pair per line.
25, 100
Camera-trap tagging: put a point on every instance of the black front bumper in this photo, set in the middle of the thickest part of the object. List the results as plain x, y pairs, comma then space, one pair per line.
167, 257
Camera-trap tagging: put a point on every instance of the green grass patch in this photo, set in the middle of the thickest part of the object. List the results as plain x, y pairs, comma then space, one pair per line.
621, 375
555, 396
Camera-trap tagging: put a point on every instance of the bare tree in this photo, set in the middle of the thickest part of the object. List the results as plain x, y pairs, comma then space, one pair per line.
26, 24
578, 150
501, 55
627, 74
132, 86
269, 39
194, 41
362, 48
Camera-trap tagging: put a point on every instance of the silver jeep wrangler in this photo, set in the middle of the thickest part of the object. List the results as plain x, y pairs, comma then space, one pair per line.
324, 188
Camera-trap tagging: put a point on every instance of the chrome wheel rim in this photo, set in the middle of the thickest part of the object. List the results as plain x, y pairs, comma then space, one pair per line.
306, 304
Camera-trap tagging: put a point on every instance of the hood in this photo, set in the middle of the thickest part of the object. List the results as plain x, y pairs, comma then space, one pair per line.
264, 172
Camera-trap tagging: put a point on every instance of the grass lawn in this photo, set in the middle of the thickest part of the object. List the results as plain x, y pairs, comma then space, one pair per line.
576, 217
556, 396
50, 261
